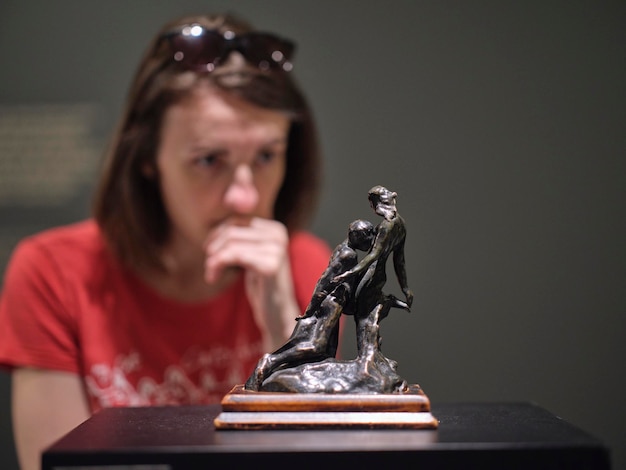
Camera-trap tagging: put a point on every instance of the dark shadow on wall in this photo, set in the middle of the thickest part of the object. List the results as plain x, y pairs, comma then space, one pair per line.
8, 459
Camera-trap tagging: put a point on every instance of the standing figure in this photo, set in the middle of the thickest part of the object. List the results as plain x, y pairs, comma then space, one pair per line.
372, 305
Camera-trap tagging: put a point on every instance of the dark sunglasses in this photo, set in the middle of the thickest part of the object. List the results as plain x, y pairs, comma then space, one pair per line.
201, 49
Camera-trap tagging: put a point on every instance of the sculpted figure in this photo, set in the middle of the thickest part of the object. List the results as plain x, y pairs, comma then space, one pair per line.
306, 363
371, 304
316, 333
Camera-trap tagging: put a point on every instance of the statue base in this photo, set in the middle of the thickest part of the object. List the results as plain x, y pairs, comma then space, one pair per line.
245, 409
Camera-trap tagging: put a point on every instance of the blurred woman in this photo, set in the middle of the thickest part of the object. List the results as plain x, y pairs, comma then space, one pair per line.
196, 260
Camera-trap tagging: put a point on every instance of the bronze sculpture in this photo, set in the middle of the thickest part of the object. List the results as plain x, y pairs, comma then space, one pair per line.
307, 363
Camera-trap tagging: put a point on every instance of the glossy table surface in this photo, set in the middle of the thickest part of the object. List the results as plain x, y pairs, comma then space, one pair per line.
470, 435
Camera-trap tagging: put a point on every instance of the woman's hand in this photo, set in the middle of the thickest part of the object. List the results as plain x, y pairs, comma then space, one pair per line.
260, 246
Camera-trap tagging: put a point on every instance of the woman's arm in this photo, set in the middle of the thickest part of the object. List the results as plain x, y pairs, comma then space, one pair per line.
261, 248
46, 404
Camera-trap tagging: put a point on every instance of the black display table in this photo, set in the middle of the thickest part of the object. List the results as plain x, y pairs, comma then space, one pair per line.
470, 435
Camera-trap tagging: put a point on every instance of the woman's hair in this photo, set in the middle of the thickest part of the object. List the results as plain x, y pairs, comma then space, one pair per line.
128, 205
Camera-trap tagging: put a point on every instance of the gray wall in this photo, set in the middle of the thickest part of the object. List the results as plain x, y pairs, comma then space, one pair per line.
499, 123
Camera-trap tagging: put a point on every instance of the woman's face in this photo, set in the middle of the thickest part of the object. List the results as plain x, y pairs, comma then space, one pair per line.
219, 158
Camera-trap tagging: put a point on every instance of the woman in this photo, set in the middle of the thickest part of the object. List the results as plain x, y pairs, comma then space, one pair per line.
195, 262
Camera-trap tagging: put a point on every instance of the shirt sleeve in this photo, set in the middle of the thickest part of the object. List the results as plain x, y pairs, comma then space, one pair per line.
309, 258
36, 328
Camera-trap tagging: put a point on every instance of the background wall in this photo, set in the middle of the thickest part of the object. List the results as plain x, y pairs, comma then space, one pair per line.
500, 124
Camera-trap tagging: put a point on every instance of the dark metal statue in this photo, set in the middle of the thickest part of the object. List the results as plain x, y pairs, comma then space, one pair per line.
306, 363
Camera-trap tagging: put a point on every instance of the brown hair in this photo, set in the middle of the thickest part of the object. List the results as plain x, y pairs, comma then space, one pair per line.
128, 206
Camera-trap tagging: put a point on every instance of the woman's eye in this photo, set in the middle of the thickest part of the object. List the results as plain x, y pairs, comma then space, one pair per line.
207, 160
265, 157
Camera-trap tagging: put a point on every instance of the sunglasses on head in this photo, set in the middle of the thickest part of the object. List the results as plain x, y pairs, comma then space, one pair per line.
201, 49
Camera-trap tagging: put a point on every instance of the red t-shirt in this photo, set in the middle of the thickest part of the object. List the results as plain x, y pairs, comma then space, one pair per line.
67, 305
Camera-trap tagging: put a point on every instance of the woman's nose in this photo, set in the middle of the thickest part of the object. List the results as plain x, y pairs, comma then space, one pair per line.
242, 195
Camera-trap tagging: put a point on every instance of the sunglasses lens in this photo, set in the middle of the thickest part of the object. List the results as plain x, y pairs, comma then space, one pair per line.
266, 50
198, 51
203, 49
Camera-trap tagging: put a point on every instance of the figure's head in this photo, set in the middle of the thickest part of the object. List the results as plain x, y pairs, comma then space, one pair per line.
382, 200
197, 73
361, 234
